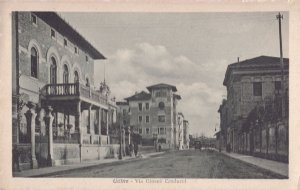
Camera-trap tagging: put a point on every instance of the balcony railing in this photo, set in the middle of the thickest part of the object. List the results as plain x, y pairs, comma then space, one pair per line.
73, 89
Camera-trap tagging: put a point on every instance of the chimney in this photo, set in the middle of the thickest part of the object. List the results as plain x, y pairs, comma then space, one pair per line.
238, 59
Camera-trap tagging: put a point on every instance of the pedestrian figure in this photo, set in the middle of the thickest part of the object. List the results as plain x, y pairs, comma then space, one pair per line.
159, 148
136, 147
130, 149
200, 146
16, 155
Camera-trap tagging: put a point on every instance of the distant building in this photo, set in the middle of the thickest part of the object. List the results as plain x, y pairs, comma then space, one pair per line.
58, 111
186, 135
254, 117
179, 137
154, 115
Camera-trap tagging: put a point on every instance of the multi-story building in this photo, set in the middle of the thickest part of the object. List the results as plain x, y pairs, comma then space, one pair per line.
255, 94
179, 131
65, 118
154, 116
186, 134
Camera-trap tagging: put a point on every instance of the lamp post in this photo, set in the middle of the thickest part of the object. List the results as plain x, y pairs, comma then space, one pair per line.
120, 129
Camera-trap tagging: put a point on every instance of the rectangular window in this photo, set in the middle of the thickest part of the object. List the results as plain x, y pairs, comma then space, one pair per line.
86, 58
162, 131
140, 106
257, 89
161, 118
140, 130
147, 131
33, 19
277, 85
124, 112
147, 119
52, 33
147, 106
65, 42
140, 119
75, 50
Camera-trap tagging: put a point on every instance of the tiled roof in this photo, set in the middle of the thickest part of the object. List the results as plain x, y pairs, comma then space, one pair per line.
177, 96
261, 62
162, 85
139, 96
122, 103
64, 28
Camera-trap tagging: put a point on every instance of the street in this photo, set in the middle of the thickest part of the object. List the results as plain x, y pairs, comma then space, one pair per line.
178, 164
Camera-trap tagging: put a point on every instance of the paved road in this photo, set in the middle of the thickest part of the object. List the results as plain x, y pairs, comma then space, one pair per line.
179, 164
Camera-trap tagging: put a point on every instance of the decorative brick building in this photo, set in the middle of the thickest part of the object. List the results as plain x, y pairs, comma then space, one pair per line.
153, 115
254, 118
59, 115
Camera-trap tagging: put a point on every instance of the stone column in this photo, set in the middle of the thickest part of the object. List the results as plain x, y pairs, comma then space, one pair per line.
90, 128
90, 119
30, 116
78, 121
99, 124
107, 132
129, 133
124, 143
49, 123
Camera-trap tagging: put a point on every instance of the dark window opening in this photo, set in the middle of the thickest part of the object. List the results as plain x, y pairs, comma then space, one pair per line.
53, 71
66, 74
140, 106
161, 105
65, 42
140, 119
52, 33
147, 106
161, 118
76, 77
257, 89
33, 19
277, 87
34, 63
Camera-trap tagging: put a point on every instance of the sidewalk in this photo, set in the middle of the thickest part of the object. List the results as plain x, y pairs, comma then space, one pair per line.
274, 166
39, 172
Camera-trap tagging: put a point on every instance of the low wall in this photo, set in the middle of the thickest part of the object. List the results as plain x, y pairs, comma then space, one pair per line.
66, 153
270, 142
75, 153
24, 151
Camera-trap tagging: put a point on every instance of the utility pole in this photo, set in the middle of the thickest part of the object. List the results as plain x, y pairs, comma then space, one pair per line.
279, 17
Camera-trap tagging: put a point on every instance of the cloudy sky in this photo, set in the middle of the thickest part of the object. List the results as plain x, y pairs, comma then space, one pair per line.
188, 50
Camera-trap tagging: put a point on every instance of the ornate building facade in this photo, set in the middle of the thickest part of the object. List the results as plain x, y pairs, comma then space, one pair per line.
59, 115
153, 115
254, 118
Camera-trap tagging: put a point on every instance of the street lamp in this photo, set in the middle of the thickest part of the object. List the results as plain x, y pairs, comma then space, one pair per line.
120, 151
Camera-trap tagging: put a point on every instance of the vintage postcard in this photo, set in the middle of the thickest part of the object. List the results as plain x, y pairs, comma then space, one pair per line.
150, 95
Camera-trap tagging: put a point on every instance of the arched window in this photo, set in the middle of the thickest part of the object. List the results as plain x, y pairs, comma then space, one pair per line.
66, 74
53, 70
34, 63
161, 105
76, 77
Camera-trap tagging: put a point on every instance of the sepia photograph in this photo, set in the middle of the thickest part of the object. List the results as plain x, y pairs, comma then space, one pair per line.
159, 96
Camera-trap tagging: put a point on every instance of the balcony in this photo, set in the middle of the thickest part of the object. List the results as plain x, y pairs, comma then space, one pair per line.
70, 91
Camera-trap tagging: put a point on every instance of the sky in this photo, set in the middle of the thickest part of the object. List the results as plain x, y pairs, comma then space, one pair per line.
188, 50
